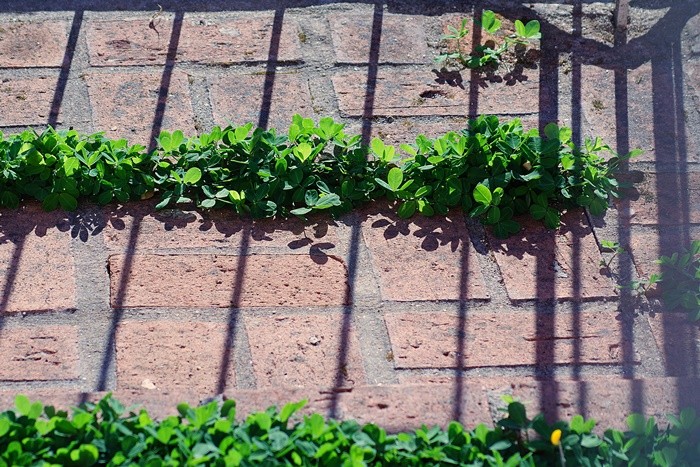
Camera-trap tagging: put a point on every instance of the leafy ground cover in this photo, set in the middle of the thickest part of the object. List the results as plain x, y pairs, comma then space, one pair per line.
106, 434
492, 170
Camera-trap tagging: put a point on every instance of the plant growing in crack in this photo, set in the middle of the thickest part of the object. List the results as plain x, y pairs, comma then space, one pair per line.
490, 53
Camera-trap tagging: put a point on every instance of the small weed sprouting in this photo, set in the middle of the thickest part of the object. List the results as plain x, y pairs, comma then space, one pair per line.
610, 246
489, 53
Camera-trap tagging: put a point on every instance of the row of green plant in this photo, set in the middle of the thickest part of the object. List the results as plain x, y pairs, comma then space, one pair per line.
492, 170
678, 281
490, 52
106, 434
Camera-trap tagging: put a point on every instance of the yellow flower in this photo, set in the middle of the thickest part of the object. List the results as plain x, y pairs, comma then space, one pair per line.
556, 436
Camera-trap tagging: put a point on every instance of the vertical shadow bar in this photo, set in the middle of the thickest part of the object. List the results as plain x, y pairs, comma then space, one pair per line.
118, 305
372, 71
233, 311
473, 74
627, 305
165, 79
65, 68
577, 131
544, 275
461, 348
10, 277
270, 70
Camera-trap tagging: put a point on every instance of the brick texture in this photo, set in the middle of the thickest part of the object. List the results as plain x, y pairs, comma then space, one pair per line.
239, 99
423, 258
36, 264
27, 100
304, 350
202, 39
175, 228
172, 355
212, 280
666, 199
39, 353
678, 341
545, 264
125, 104
27, 44
425, 93
431, 340
401, 39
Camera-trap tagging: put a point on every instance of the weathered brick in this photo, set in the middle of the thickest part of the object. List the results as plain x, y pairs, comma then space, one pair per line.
26, 44
544, 264
175, 228
420, 340
666, 199
173, 355
607, 399
242, 98
303, 350
648, 245
27, 101
36, 264
678, 341
124, 104
407, 407
213, 281
423, 258
401, 40
39, 353
421, 93
600, 116
405, 131
208, 39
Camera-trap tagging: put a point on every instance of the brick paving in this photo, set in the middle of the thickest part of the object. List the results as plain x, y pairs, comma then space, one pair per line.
367, 316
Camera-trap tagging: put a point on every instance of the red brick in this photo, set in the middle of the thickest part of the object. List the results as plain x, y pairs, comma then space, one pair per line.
36, 264
519, 255
422, 258
678, 341
420, 340
124, 104
39, 353
27, 100
599, 114
419, 93
402, 38
607, 399
25, 44
174, 228
408, 407
239, 99
203, 39
210, 281
657, 199
291, 350
692, 69
405, 131
646, 246
172, 355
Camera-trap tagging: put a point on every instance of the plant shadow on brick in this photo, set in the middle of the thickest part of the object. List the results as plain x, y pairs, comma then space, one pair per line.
104, 433
494, 171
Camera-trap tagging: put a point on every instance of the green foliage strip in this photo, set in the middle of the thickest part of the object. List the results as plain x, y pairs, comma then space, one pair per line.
493, 171
104, 434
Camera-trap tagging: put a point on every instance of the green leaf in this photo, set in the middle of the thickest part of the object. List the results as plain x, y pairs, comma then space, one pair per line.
493, 215
192, 176
482, 194
489, 22
407, 209
23, 404
538, 211
300, 211
551, 219
67, 202
395, 178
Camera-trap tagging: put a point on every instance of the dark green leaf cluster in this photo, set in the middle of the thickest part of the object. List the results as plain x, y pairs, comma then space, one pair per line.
493, 171
105, 434
58, 167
